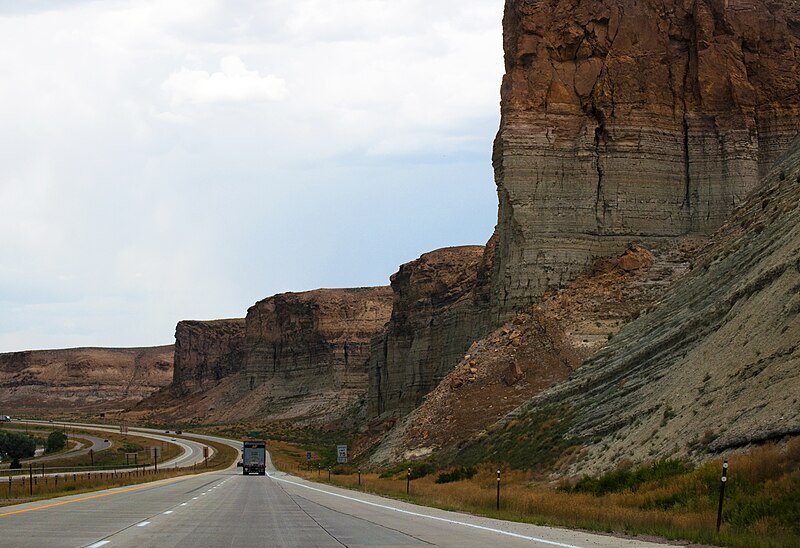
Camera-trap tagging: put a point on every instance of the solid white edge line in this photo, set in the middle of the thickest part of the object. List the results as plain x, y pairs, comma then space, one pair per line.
98, 544
435, 518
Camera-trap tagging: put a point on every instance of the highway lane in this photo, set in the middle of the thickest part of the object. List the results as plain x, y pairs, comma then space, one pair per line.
228, 509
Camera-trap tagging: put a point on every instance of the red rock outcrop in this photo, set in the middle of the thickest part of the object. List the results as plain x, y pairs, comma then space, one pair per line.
47, 382
440, 308
205, 353
632, 119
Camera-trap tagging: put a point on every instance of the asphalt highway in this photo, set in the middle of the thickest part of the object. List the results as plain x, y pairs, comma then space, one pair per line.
228, 509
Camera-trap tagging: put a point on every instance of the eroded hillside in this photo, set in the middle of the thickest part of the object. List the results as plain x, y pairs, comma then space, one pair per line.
713, 366
48, 382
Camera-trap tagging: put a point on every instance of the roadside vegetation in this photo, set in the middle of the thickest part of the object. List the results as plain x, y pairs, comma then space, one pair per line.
668, 498
16, 445
20, 489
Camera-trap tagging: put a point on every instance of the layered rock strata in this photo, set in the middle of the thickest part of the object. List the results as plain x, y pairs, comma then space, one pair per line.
716, 364
47, 382
440, 308
632, 119
314, 341
205, 353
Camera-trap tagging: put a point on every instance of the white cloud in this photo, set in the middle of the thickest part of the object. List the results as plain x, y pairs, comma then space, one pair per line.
233, 84
201, 144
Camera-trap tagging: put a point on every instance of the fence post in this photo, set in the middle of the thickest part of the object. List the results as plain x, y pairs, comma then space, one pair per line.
498, 488
723, 480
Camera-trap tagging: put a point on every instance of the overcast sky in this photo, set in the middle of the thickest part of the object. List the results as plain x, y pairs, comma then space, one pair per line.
178, 160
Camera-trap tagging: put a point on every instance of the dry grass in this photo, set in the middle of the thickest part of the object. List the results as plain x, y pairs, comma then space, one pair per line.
17, 490
762, 498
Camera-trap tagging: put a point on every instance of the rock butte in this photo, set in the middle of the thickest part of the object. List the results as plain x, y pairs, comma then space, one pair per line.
632, 119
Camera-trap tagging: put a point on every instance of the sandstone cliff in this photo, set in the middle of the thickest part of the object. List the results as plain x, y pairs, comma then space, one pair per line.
318, 337
48, 382
440, 307
299, 357
539, 348
632, 119
205, 353
716, 364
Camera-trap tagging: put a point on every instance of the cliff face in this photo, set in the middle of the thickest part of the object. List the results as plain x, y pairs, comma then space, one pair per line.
43, 382
297, 357
632, 119
716, 364
206, 352
440, 308
302, 342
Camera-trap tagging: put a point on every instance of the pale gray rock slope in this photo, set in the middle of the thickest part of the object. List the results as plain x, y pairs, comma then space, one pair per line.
716, 364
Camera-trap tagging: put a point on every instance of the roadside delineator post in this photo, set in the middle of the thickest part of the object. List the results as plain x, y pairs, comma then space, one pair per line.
329, 473
359, 476
723, 481
498, 488
30, 473
408, 481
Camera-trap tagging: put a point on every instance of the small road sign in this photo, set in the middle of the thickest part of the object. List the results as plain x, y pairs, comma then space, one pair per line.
308, 455
341, 454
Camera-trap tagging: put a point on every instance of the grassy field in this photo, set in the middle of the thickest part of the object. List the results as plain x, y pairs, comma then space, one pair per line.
19, 489
108, 458
666, 499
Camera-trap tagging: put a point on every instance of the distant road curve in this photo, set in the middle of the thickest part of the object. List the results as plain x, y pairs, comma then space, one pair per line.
95, 443
191, 451
225, 508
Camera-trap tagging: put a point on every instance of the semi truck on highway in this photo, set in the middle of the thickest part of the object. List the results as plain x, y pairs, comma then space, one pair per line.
254, 459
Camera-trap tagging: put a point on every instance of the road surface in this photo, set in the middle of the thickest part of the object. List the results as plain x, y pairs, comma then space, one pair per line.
228, 509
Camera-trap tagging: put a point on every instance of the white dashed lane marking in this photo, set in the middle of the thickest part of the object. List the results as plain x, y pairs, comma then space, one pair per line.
143, 524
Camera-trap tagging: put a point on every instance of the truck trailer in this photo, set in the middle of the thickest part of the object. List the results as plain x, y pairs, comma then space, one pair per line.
254, 459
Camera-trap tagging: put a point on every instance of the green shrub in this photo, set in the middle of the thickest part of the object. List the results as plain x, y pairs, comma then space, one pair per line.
129, 447
17, 445
620, 480
56, 441
419, 469
462, 473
